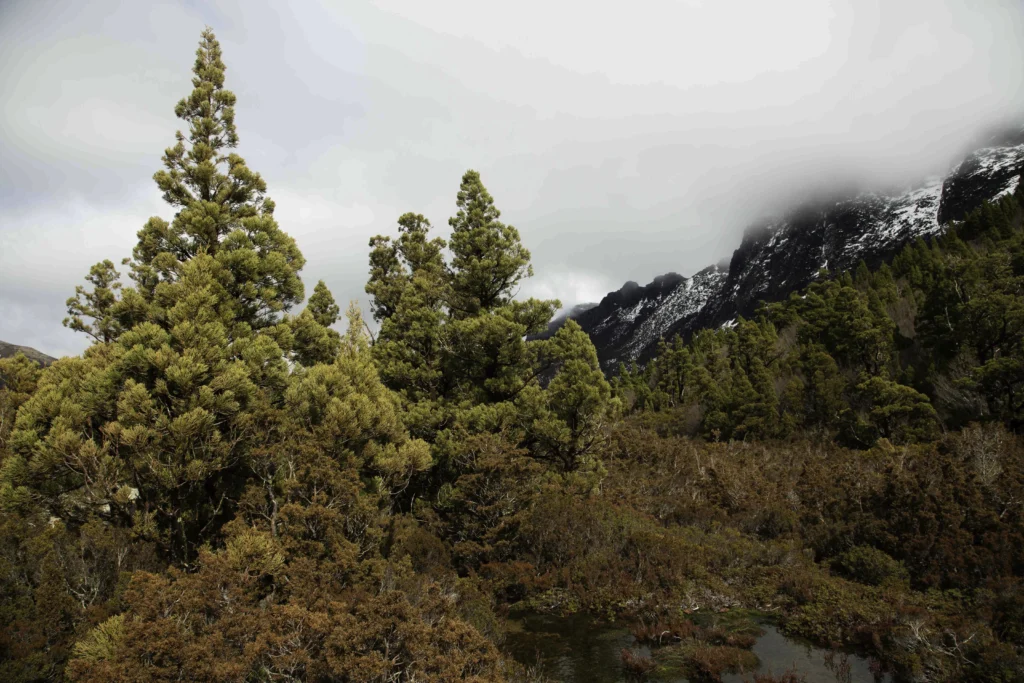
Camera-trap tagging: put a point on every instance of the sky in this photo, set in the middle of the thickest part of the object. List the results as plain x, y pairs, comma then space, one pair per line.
623, 140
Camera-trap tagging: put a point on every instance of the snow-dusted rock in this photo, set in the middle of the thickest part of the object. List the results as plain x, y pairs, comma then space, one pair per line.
784, 254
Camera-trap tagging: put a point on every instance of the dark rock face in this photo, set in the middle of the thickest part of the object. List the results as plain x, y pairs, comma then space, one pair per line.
624, 321
777, 257
786, 255
986, 173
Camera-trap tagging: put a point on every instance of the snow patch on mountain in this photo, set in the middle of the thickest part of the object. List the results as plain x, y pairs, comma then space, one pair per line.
784, 254
685, 301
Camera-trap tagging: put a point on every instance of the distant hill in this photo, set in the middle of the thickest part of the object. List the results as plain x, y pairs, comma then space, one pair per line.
10, 350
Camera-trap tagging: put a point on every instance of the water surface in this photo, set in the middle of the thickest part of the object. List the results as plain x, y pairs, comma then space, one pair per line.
580, 649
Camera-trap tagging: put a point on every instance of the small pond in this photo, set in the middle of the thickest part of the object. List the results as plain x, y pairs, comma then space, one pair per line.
578, 649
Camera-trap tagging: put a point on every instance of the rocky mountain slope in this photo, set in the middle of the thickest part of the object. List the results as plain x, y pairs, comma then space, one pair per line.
784, 254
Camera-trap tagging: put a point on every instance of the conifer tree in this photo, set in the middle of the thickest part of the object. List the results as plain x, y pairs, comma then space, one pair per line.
322, 306
823, 402
408, 284
313, 340
155, 427
894, 411
100, 304
182, 449
488, 260
453, 332
673, 368
567, 420
489, 358
221, 208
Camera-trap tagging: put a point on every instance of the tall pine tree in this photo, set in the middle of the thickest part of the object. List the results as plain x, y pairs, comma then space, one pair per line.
156, 426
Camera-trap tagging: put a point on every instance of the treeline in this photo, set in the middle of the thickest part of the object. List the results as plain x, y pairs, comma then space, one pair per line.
933, 341
220, 489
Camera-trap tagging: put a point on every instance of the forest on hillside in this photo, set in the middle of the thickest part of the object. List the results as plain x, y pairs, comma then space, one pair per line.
221, 489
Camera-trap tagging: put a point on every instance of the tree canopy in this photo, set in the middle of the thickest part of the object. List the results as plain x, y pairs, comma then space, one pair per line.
223, 487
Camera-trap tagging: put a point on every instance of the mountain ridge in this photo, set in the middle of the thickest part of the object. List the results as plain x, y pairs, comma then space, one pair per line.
783, 254
8, 350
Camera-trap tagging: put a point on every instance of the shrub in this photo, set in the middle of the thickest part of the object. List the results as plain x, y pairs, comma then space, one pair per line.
870, 566
709, 662
637, 665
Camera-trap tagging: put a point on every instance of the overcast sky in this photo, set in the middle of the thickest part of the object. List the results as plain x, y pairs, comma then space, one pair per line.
623, 139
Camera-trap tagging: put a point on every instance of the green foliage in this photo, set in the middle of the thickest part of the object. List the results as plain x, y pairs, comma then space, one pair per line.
100, 304
566, 422
173, 410
219, 490
222, 211
183, 480
453, 338
221, 208
312, 339
934, 340
102, 643
893, 411
322, 307
870, 565
408, 285
19, 378
488, 260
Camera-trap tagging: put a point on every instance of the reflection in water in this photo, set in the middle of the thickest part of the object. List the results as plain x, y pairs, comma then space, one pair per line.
571, 649
779, 653
577, 649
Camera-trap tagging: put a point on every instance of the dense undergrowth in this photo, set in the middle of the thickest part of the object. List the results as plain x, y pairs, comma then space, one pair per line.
219, 489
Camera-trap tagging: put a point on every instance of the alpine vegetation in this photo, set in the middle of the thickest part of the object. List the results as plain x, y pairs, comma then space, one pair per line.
230, 486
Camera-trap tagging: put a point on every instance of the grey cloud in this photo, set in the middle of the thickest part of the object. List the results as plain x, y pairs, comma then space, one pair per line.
622, 144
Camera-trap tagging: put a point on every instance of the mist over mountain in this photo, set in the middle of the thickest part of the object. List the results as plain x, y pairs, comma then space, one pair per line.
830, 231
